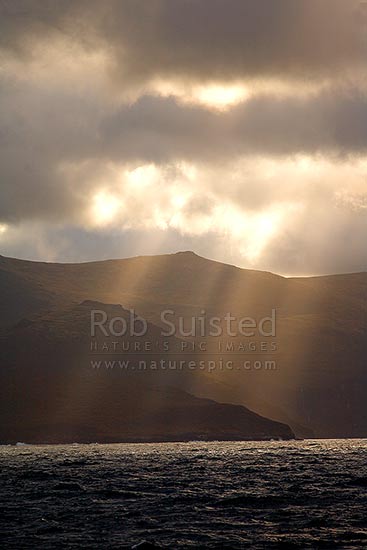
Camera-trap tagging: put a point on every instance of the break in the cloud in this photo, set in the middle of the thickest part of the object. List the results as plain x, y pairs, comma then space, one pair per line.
234, 127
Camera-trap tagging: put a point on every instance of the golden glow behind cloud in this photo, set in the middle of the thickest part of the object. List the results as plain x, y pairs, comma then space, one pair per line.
148, 197
105, 208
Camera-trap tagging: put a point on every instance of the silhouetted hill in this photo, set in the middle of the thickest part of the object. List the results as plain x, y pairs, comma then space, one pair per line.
320, 381
53, 390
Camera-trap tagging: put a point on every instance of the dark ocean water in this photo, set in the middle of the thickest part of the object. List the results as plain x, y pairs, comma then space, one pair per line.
310, 494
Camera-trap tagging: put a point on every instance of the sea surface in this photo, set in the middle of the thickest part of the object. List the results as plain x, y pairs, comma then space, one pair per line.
300, 494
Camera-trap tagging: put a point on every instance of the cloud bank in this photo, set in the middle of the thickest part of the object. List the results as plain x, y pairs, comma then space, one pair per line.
237, 128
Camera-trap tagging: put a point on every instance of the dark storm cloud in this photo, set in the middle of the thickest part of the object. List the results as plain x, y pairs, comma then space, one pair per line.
42, 133
200, 39
226, 39
330, 123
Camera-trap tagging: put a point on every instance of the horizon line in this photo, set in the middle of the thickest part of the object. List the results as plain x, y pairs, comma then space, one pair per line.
187, 252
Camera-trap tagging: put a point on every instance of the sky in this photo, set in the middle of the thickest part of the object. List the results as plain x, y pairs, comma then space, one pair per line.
233, 128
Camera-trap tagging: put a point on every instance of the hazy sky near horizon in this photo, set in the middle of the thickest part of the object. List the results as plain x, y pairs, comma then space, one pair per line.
235, 128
